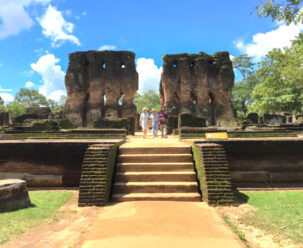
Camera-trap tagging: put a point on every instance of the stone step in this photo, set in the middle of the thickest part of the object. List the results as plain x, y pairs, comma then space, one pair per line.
209, 153
155, 150
183, 176
141, 158
156, 197
155, 187
185, 166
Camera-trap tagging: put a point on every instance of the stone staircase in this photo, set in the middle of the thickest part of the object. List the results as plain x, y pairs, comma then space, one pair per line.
96, 174
217, 188
155, 173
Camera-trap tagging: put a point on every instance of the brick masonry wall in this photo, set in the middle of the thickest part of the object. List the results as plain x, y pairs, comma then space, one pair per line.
97, 174
213, 174
265, 162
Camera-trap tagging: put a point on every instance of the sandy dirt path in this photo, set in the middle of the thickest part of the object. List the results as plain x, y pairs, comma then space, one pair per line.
159, 224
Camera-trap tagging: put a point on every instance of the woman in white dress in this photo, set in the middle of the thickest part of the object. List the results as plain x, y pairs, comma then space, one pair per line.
144, 121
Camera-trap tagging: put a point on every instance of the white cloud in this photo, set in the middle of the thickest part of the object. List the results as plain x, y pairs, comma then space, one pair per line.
149, 75
262, 43
14, 16
5, 90
29, 84
1, 64
231, 57
57, 95
84, 13
56, 28
52, 75
7, 97
107, 47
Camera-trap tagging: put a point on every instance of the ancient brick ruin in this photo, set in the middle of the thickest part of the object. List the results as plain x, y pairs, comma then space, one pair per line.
198, 84
100, 85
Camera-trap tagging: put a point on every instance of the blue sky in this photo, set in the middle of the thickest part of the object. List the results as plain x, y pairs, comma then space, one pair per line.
36, 36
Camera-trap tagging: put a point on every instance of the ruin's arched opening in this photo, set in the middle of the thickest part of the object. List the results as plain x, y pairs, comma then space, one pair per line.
193, 98
211, 101
103, 65
103, 105
120, 103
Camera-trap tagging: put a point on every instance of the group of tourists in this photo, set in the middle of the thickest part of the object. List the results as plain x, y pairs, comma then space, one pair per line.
158, 121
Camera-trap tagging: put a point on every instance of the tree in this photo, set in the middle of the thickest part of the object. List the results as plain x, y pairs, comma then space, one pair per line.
2, 107
59, 106
288, 11
242, 91
31, 98
15, 108
148, 99
281, 73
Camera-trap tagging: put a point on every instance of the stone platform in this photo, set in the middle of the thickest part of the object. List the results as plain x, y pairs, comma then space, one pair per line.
13, 195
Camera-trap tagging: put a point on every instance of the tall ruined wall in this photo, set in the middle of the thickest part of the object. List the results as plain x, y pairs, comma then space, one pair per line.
198, 84
95, 81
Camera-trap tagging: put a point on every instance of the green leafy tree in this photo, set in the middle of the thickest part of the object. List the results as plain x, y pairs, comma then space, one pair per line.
242, 90
288, 11
281, 73
15, 108
32, 98
149, 99
2, 107
58, 106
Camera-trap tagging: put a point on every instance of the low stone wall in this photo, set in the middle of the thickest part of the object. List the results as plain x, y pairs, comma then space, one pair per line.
45, 163
265, 162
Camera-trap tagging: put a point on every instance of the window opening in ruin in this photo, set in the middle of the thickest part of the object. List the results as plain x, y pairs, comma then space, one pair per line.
211, 98
123, 65
175, 65
211, 101
120, 101
104, 65
194, 98
192, 64
210, 61
104, 99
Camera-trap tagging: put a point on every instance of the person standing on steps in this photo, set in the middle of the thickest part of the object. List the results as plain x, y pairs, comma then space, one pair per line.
144, 121
155, 120
163, 120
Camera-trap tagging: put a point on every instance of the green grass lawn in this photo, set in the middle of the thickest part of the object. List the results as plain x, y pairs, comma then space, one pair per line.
280, 212
45, 206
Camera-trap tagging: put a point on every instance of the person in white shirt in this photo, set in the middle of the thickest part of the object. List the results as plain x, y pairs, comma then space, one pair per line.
155, 120
144, 121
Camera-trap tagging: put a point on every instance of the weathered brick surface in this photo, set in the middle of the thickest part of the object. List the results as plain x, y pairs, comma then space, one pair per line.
96, 175
213, 174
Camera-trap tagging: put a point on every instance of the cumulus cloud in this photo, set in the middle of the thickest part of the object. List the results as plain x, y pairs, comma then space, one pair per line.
149, 75
231, 57
107, 47
6, 97
5, 90
57, 28
14, 16
262, 43
52, 76
57, 95
29, 84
